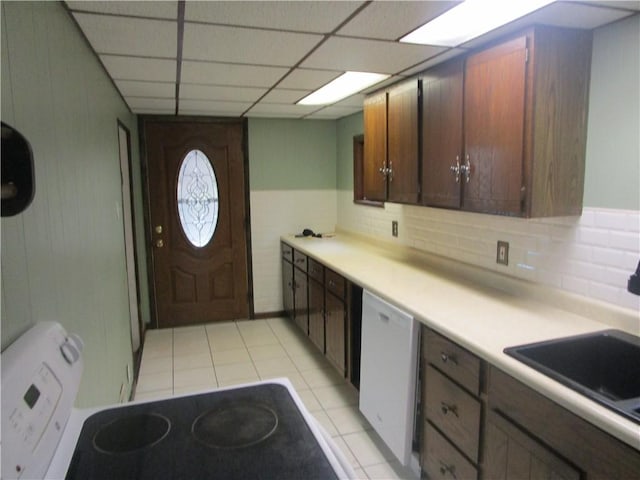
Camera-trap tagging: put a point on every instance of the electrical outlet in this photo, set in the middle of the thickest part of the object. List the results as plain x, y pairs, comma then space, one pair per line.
394, 228
502, 253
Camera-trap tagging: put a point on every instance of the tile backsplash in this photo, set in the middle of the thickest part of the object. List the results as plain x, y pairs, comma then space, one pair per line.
591, 255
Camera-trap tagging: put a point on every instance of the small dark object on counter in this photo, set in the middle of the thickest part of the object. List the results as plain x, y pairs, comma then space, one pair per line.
307, 232
633, 286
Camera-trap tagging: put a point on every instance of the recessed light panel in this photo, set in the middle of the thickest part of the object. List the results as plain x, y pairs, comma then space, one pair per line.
471, 19
345, 85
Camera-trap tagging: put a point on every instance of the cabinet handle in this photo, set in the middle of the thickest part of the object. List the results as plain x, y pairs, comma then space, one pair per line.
456, 169
332, 283
446, 408
450, 469
466, 168
447, 357
390, 169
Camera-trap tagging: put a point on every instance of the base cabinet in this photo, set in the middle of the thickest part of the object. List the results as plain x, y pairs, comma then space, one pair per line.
318, 300
510, 453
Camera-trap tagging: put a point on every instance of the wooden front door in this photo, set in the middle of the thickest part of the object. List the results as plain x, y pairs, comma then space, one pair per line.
197, 219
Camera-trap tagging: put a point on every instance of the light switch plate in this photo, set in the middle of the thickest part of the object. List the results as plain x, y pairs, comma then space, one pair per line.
502, 253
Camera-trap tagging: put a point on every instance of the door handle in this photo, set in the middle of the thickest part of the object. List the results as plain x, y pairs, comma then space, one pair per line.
158, 229
159, 243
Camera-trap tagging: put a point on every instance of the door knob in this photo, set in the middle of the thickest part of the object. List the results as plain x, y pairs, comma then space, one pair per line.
159, 243
158, 229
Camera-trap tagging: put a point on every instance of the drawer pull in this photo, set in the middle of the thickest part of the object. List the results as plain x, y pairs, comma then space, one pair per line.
450, 469
446, 408
447, 357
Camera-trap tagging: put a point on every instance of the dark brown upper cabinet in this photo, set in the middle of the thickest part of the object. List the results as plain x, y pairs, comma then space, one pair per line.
374, 181
391, 160
504, 129
442, 99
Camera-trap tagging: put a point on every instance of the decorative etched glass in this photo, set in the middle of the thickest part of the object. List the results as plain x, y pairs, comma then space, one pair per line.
197, 198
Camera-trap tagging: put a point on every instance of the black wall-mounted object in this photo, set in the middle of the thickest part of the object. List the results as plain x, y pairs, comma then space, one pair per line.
633, 286
18, 179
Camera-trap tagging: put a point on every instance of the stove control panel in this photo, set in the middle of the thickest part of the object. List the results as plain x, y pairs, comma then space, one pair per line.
31, 416
41, 374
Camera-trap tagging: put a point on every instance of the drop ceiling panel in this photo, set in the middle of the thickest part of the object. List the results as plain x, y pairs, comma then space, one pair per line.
308, 79
132, 88
204, 107
577, 15
158, 104
245, 45
341, 53
353, 101
312, 16
134, 68
212, 73
129, 36
165, 9
215, 92
280, 110
282, 95
444, 56
392, 20
334, 112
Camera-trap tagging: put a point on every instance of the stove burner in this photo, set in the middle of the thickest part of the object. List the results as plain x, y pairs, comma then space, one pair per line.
235, 426
129, 434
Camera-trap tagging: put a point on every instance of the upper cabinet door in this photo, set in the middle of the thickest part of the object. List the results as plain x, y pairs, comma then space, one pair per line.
375, 147
402, 128
442, 94
494, 113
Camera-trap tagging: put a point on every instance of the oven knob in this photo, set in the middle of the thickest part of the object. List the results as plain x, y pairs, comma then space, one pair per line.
69, 351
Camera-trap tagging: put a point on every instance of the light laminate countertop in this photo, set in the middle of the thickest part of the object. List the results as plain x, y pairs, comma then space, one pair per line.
480, 310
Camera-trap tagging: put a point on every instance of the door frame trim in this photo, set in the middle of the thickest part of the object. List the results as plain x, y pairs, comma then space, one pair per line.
143, 120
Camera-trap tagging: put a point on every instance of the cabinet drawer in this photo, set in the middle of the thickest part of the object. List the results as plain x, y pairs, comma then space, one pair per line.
300, 260
455, 361
287, 252
316, 270
335, 283
455, 412
442, 460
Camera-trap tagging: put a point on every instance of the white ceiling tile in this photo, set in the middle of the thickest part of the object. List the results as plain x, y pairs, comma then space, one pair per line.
353, 101
213, 107
133, 88
282, 95
230, 74
245, 45
307, 16
136, 103
377, 56
628, 4
306, 79
164, 9
135, 68
575, 15
190, 91
561, 14
392, 20
384, 83
129, 36
449, 54
273, 109
334, 112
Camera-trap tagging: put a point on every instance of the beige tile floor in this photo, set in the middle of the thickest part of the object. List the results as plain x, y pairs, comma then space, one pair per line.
190, 359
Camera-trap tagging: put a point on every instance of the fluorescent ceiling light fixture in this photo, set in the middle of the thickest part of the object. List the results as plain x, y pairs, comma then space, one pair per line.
471, 19
346, 84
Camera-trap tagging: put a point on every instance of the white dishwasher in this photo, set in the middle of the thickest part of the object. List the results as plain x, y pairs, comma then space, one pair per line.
388, 372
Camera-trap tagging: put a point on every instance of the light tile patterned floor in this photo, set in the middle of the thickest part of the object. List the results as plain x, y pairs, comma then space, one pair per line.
191, 359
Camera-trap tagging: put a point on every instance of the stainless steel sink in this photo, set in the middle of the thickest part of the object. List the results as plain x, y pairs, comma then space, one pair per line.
604, 366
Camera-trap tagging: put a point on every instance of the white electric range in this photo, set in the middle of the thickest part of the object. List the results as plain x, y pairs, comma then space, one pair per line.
256, 430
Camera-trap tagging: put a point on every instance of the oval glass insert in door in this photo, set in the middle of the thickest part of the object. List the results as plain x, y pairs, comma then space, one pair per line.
197, 197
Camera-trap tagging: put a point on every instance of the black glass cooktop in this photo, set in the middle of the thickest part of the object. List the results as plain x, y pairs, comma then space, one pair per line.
254, 432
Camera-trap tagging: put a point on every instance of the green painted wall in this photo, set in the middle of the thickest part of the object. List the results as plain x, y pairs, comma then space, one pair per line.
292, 154
613, 141
63, 258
